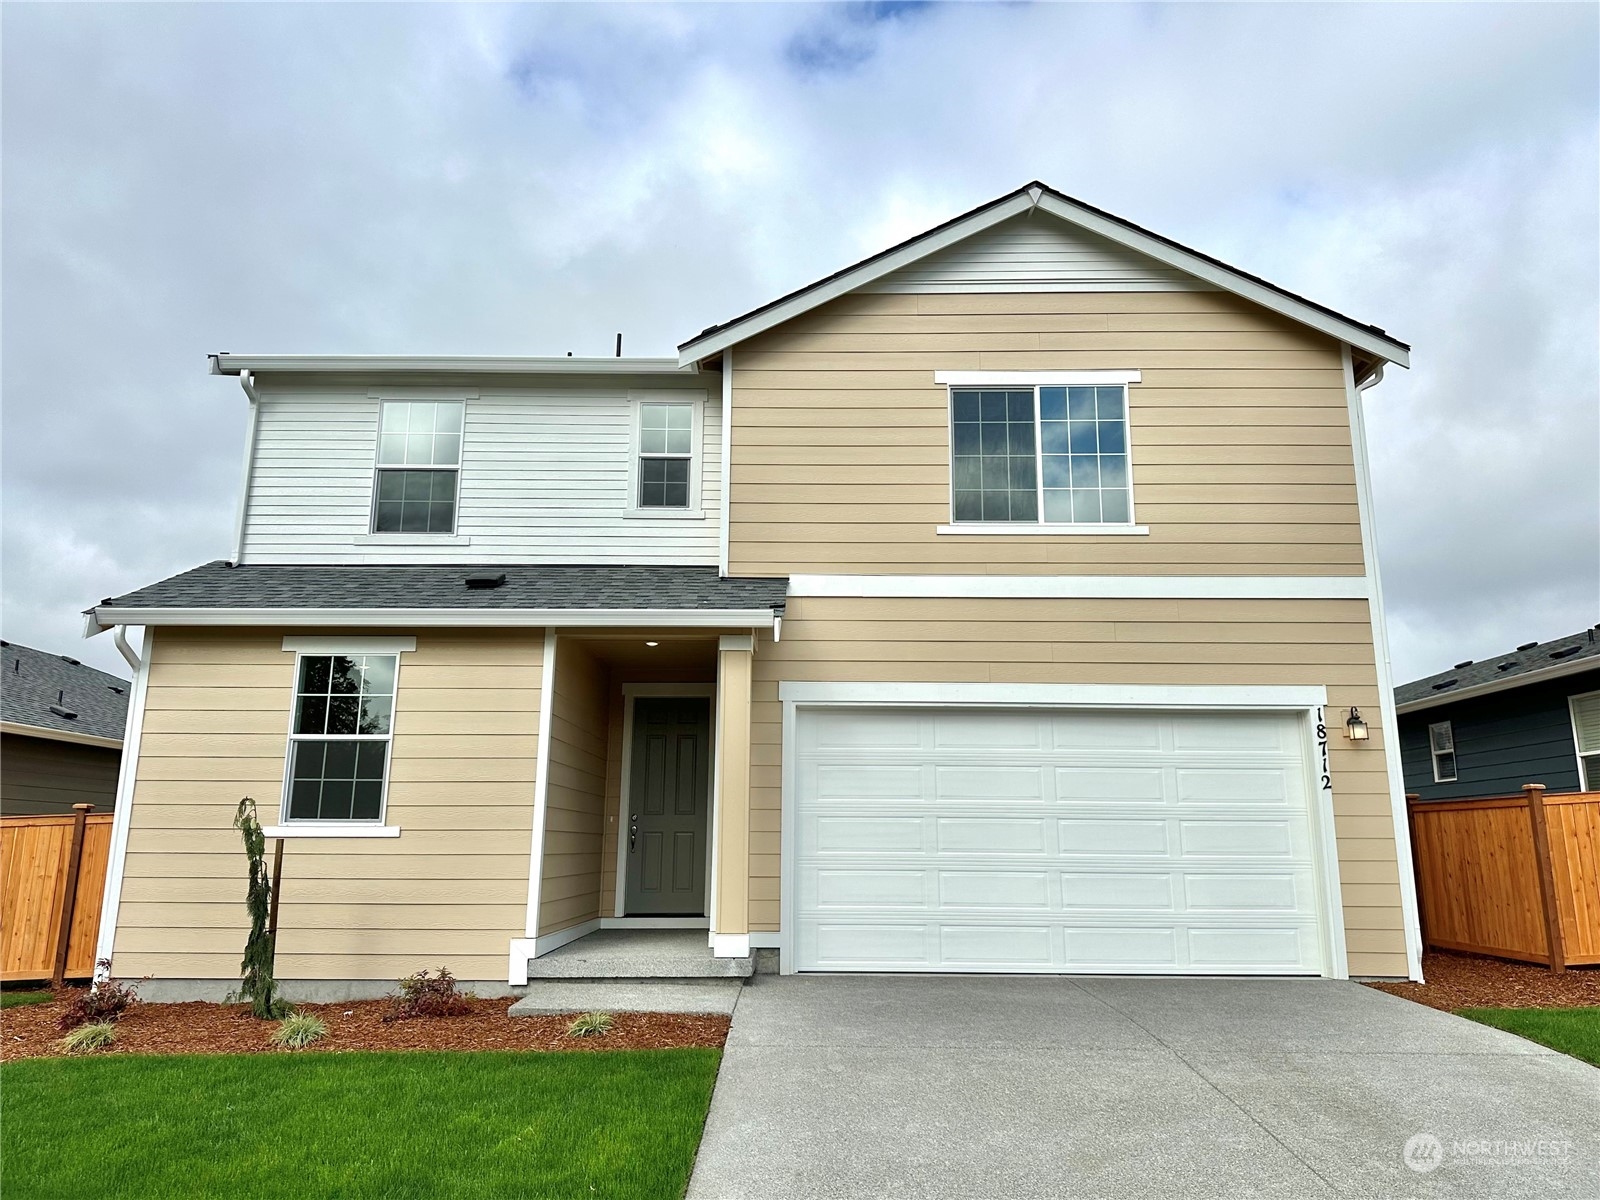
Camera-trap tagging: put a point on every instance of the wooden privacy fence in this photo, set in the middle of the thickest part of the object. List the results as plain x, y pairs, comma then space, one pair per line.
52, 875
1516, 876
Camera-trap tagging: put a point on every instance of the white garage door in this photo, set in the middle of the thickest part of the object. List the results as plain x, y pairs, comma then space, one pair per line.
1054, 840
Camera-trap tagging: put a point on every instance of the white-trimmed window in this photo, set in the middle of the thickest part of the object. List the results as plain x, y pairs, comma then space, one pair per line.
338, 766
1442, 746
419, 466
1040, 455
1586, 737
665, 434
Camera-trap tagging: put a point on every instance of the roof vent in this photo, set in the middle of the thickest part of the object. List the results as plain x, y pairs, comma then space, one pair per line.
1459, 665
1565, 652
114, 688
1506, 666
1527, 645
70, 661
63, 712
484, 582
3, 642
1439, 687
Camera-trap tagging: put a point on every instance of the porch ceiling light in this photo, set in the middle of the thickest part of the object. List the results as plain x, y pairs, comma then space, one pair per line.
1356, 728
652, 643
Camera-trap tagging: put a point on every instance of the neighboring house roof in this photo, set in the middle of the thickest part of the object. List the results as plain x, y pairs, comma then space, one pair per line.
1533, 662
435, 364
1036, 195
554, 594
39, 688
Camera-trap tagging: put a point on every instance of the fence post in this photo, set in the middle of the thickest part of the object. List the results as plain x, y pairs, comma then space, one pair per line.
1547, 876
69, 893
1416, 866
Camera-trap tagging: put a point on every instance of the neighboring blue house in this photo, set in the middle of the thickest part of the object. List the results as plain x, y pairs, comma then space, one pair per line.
1486, 728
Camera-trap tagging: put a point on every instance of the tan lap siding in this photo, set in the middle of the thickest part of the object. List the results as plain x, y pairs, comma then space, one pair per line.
569, 891
452, 889
1171, 642
1239, 433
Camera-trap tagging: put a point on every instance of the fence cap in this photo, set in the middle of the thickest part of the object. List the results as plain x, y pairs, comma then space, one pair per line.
82, 807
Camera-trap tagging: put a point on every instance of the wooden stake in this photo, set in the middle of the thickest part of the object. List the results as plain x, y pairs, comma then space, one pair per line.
69, 893
272, 904
1547, 877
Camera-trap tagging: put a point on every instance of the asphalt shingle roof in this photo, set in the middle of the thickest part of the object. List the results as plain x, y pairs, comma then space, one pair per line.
218, 585
1576, 647
34, 680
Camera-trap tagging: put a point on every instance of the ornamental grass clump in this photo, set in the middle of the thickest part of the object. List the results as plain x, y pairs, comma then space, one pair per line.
590, 1024
103, 1003
425, 995
86, 1039
298, 1030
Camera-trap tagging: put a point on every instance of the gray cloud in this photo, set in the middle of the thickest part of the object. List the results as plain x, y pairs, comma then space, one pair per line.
179, 180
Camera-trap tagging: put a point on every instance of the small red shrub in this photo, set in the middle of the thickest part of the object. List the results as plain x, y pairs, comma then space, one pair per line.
424, 995
105, 1001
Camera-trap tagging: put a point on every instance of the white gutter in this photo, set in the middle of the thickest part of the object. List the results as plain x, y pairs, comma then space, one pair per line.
1555, 671
60, 735
248, 383
369, 364
565, 618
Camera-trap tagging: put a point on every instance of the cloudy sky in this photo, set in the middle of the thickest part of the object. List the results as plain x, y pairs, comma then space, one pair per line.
530, 180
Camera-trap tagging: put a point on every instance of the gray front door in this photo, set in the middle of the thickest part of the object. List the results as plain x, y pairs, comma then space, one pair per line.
669, 791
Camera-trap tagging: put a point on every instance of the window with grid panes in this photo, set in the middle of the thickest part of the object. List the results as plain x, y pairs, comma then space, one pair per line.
666, 454
339, 746
419, 466
1040, 455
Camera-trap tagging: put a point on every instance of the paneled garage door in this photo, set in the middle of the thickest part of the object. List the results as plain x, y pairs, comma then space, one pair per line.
1054, 840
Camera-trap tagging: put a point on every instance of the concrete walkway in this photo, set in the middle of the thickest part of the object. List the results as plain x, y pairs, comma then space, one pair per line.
869, 1086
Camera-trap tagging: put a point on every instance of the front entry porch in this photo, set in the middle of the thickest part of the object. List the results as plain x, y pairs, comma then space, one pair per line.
640, 849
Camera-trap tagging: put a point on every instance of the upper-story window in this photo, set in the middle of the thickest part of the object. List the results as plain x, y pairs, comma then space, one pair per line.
419, 467
1442, 746
1040, 455
1586, 734
664, 470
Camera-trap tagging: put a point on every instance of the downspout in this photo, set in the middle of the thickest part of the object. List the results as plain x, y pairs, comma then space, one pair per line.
119, 635
248, 383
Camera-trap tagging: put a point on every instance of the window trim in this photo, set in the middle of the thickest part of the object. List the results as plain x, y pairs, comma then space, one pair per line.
1017, 380
406, 396
1584, 782
696, 403
1433, 754
286, 825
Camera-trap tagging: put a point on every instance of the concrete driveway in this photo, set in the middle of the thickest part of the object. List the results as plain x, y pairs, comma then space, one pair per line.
970, 1086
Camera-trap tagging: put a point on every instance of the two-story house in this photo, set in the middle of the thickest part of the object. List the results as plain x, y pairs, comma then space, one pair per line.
1005, 602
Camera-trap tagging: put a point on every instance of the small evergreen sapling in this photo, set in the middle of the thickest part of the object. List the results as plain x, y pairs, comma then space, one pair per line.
256, 981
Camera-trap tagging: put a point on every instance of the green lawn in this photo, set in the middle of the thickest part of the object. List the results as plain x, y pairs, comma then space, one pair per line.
1574, 1031
17, 999
611, 1123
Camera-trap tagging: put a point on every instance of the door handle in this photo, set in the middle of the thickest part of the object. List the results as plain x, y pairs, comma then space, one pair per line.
633, 832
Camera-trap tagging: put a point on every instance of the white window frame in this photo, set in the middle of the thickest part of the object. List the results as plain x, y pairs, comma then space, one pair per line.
1015, 380
314, 647
696, 403
372, 533
1585, 783
1434, 753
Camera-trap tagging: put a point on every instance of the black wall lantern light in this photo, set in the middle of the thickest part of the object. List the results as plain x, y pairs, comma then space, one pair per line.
1355, 728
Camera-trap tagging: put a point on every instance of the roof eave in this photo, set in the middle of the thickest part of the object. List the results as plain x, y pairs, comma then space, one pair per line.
60, 735
593, 618
406, 364
1556, 671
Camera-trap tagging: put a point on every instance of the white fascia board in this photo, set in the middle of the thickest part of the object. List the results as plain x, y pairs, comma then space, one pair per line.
350, 645
1556, 671
1032, 378
564, 618
1084, 587
709, 344
60, 735
1033, 695
1229, 280
369, 364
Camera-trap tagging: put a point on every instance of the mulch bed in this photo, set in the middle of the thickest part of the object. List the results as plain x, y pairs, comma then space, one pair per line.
1472, 981
201, 1028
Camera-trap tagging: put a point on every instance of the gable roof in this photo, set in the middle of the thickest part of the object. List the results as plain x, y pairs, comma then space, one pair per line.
1534, 662
34, 680
1036, 195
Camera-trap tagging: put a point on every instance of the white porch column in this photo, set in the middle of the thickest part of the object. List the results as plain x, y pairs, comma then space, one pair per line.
730, 807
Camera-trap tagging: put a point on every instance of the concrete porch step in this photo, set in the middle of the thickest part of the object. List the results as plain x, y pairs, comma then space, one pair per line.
643, 954
547, 996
